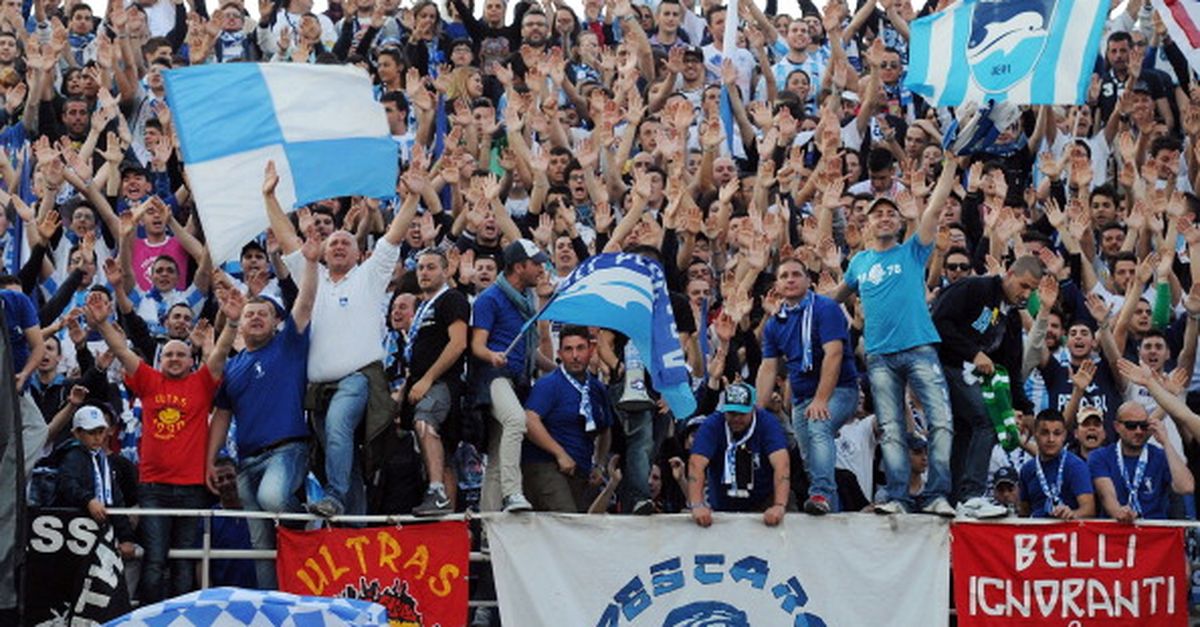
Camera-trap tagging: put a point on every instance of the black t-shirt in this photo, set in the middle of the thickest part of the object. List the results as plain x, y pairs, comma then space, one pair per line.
433, 334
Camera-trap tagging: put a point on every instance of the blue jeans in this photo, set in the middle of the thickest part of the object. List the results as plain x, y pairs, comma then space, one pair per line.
162, 533
343, 473
918, 369
816, 440
267, 482
974, 437
644, 435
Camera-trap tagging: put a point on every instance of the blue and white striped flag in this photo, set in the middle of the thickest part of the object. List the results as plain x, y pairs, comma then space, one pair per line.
628, 293
320, 124
1020, 51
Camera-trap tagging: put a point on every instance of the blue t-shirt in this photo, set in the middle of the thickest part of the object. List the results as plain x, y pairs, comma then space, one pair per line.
556, 401
1154, 492
1076, 480
494, 312
891, 285
19, 314
781, 338
264, 389
711, 442
1102, 392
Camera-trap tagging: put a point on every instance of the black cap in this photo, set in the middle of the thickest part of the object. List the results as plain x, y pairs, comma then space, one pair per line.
1006, 474
131, 166
1141, 86
694, 51
917, 443
523, 250
253, 245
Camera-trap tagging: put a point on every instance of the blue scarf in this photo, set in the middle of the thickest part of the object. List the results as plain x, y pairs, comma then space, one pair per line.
78, 43
524, 303
804, 309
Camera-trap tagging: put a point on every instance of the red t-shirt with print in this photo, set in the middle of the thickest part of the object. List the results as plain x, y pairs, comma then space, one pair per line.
174, 424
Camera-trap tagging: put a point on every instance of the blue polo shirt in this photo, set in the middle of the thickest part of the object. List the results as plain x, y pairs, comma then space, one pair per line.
711, 442
782, 338
1076, 480
556, 401
891, 285
493, 311
1154, 493
264, 388
19, 315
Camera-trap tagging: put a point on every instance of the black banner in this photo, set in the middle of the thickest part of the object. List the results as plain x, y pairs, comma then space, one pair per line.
74, 573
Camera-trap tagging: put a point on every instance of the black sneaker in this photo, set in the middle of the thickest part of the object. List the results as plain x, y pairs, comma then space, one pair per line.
817, 505
436, 503
644, 507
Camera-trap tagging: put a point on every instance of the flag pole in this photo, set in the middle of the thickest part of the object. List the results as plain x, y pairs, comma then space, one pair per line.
529, 323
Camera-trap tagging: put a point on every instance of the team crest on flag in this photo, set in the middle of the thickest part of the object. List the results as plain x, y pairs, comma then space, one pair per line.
1007, 40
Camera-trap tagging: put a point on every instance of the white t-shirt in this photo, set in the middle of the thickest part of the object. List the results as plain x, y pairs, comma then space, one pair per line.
856, 451
348, 316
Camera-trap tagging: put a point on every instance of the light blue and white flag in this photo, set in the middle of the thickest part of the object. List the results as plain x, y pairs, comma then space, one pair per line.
975, 129
628, 293
1020, 51
236, 606
320, 124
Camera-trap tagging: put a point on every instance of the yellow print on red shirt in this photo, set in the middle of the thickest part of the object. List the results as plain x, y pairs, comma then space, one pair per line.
168, 420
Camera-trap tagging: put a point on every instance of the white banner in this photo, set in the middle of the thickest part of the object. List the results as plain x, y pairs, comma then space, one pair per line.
665, 571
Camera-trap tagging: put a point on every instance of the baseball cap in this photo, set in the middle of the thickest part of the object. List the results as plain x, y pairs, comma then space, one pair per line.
253, 245
917, 443
88, 417
1006, 474
1090, 413
1142, 86
738, 398
881, 201
851, 96
693, 51
523, 250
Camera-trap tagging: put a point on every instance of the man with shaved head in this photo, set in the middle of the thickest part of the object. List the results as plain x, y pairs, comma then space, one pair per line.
175, 405
345, 355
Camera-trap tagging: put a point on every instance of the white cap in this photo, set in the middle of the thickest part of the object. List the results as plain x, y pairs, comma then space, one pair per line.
89, 417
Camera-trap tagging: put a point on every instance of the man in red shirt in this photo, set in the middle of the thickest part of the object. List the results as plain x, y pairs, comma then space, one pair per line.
176, 403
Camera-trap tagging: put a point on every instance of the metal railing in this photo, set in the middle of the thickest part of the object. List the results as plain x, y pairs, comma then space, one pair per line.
206, 553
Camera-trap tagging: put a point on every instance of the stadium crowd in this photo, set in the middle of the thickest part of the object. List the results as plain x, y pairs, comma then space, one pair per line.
870, 321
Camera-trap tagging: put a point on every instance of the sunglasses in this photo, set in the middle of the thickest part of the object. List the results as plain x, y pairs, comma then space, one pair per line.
958, 267
1136, 425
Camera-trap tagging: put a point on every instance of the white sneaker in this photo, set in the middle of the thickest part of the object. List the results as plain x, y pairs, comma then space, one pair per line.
891, 507
516, 503
980, 507
939, 506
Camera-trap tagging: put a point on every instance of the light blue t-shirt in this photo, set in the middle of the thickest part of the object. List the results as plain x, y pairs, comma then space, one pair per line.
891, 285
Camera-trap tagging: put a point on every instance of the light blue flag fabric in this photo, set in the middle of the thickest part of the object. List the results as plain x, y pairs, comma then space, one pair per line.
628, 293
1020, 51
236, 606
320, 124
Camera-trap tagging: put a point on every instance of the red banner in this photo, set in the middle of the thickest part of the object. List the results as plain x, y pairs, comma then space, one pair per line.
418, 572
1092, 574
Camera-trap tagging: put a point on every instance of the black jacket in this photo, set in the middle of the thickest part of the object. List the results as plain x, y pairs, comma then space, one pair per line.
77, 485
972, 316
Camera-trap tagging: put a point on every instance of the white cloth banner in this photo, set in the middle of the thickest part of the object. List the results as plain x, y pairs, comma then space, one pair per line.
665, 571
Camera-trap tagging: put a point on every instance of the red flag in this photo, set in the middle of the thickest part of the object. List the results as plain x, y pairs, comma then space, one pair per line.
1099, 574
418, 572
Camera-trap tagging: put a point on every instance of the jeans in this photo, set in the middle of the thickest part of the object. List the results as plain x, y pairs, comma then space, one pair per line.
645, 432
162, 533
343, 472
917, 369
974, 437
816, 440
502, 477
268, 482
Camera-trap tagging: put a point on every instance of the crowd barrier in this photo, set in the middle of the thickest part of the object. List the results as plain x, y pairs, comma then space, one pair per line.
851, 569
